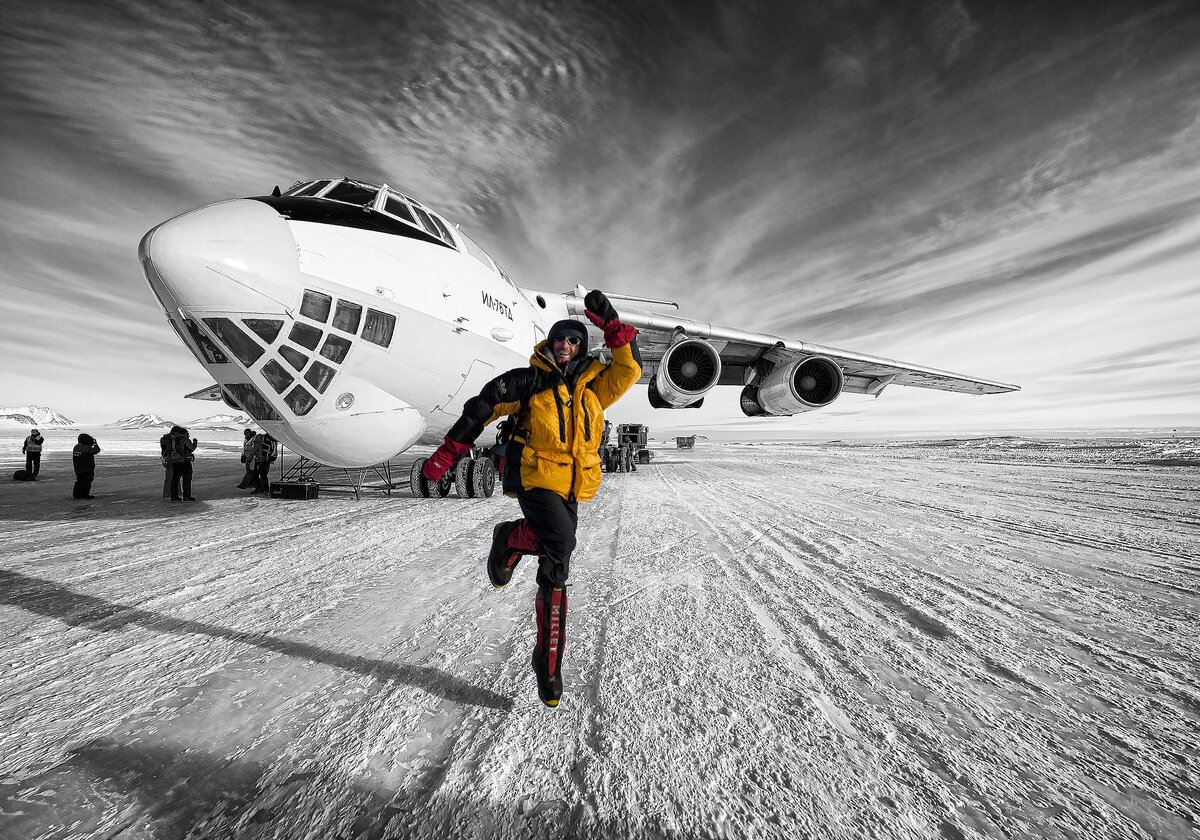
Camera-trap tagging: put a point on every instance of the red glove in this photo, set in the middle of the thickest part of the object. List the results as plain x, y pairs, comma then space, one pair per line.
445, 457
616, 334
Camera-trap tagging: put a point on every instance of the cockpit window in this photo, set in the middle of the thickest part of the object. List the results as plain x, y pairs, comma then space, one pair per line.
293, 356
311, 188
245, 348
352, 193
276, 376
319, 376
300, 401
265, 328
316, 305
335, 348
399, 209
252, 401
347, 316
442, 230
212, 353
426, 220
379, 327
305, 336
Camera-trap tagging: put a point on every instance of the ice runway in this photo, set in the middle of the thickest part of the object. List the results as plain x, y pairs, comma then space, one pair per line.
984, 639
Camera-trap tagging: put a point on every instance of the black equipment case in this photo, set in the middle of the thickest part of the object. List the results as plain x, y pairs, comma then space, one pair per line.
294, 489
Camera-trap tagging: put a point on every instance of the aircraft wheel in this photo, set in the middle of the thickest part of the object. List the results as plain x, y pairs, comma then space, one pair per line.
483, 478
418, 482
444, 484
462, 478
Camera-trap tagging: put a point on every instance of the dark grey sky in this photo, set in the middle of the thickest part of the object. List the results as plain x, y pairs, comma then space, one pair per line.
1006, 189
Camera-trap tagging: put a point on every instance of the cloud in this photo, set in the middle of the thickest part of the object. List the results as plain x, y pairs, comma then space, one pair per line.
964, 188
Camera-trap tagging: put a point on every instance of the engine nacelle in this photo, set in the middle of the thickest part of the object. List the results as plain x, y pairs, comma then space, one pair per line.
803, 384
688, 370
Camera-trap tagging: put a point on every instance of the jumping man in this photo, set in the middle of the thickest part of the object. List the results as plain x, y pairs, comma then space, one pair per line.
552, 460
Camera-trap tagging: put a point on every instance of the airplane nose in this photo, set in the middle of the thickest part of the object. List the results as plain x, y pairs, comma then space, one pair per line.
236, 255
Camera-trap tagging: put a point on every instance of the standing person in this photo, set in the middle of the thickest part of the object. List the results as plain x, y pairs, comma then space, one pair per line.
551, 460
32, 448
164, 444
84, 458
180, 455
248, 445
264, 456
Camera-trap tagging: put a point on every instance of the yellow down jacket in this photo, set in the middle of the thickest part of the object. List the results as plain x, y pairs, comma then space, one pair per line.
557, 429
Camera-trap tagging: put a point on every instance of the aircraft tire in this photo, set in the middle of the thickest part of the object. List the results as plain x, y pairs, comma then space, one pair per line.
444, 484
462, 478
417, 481
483, 478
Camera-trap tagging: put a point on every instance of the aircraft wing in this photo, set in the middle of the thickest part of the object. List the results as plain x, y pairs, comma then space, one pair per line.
741, 352
212, 393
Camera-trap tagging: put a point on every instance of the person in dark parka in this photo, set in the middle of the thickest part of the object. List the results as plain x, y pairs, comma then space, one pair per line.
265, 453
32, 448
551, 460
84, 458
178, 449
250, 479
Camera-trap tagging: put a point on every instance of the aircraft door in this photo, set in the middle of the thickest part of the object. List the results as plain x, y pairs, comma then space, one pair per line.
479, 374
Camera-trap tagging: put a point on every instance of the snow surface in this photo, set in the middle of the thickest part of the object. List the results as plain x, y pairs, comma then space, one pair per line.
960, 639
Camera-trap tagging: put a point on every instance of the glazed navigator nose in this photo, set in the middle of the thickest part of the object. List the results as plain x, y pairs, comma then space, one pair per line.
233, 256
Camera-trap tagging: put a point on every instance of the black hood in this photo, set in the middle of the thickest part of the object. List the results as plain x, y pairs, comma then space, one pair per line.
568, 327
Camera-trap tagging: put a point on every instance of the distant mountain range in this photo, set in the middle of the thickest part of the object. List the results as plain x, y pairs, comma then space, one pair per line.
34, 416
38, 417
141, 421
153, 421
222, 420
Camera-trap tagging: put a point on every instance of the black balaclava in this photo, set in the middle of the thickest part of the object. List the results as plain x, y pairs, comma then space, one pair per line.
577, 365
567, 327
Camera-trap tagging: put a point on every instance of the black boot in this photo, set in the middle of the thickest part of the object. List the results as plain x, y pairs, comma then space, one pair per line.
551, 611
510, 541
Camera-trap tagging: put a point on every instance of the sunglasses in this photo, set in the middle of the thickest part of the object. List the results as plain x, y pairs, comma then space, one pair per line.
572, 340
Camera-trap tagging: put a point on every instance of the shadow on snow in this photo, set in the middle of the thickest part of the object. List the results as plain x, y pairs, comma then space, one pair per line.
78, 610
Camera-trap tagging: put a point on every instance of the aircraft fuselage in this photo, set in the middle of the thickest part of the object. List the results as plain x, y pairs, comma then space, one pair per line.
350, 331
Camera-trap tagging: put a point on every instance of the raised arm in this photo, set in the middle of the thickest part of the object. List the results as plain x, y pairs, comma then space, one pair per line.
621, 339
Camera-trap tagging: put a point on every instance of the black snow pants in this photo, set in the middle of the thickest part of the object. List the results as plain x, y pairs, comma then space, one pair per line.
554, 520
83, 484
33, 463
262, 476
181, 474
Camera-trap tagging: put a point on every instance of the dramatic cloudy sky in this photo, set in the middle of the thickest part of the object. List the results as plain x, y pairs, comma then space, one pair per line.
1004, 189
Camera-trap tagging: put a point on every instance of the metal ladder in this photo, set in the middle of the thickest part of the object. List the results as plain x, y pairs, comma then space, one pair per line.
305, 469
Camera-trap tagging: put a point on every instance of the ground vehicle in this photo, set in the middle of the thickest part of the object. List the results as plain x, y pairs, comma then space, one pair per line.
615, 441
685, 442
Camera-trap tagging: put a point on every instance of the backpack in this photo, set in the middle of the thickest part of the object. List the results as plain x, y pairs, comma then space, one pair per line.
171, 450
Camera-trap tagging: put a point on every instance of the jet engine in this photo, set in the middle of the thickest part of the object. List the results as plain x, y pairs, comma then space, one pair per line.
802, 384
688, 370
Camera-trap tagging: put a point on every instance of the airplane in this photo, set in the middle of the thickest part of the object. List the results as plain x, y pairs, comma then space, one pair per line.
352, 322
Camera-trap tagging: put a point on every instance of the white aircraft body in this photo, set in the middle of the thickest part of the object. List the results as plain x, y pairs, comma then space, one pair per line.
352, 322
